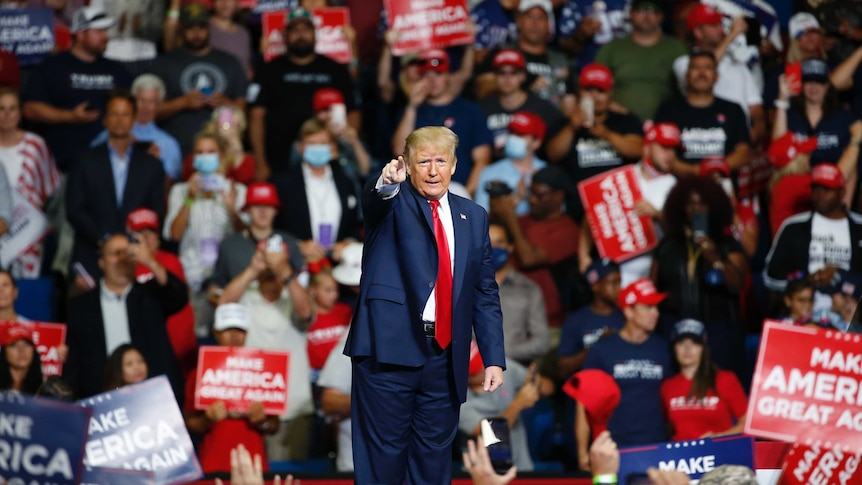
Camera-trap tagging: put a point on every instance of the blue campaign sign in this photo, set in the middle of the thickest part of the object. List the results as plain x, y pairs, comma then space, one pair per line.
140, 427
274, 5
111, 476
693, 458
41, 440
27, 32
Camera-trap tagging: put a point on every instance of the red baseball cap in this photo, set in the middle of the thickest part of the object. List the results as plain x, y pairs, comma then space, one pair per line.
143, 218
712, 164
598, 392
326, 97
596, 76
665, 134
525, 123
510, 57
436, 60
641, 291
476, 363
16, 332
828, 175
784, 149
261, 193
703, 14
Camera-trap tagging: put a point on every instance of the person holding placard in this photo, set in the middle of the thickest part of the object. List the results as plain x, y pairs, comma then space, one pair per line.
222, 430
702, 401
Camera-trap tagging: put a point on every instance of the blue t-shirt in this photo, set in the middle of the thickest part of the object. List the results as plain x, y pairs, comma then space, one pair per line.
505, 171
494, 25
64, 81
833, 133
466, 119
613, 14
639, 371
582, 329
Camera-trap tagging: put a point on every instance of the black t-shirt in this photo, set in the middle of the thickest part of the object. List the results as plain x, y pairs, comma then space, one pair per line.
182, 72
553, 65
711, 131
499, 118
287, 90
64, 81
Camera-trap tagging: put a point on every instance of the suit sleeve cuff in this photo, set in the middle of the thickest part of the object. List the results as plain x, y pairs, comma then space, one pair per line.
386, 191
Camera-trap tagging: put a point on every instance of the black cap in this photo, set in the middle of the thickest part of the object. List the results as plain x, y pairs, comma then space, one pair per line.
554, 177
194, 14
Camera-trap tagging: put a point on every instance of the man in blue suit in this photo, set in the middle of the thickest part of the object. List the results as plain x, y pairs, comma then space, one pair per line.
410, 346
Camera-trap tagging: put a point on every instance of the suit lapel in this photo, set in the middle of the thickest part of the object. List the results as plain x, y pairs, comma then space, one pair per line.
461, 235
106, 170
135, 171
421, 205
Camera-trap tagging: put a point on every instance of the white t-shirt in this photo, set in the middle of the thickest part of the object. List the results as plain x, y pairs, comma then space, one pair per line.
337, 373
829, 246
655, 192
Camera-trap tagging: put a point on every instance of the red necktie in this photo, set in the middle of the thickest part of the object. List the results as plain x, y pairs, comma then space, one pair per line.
443, 324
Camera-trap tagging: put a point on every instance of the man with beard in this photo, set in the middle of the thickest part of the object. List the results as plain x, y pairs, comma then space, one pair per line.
198, 79
287, 84
709, 126
67, 92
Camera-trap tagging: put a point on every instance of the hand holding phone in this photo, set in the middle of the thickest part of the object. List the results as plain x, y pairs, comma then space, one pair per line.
793, 76
700, 224
588, 106
498, 441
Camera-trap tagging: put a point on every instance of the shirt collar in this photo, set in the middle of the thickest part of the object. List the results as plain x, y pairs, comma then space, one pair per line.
309, 175
444, 201
144, 127
114, 154
110, 295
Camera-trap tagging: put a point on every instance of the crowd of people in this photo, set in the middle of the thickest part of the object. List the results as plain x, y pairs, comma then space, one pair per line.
202, 196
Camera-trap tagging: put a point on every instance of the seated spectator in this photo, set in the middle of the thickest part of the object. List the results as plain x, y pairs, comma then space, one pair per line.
512, 175
201, 213
525, 323
280, 312
330, 319
433, 103
846, 289
335, 381
589, 324
588, 144
107, 183
198, 77
121, 310
236, 251
126, 365
510, 74
798, 299
30, 170
218, 428
20, 364
702, 268
143, 225
819, 242
710, 126
790, 185
521, 389
350, 152
544, 238
638, 361
70, 111
702, 401
816, 113
149, 93
322, 202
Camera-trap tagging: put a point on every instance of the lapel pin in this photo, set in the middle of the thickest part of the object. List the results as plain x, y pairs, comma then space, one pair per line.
463, 217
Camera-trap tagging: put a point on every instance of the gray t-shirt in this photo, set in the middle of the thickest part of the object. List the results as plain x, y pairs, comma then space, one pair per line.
236, 42
182, 72
488, 405
235, 253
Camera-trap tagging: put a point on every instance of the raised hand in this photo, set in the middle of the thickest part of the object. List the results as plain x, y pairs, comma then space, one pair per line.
395, 171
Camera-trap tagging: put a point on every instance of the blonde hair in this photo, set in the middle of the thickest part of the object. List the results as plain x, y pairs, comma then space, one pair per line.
313, 126
800, 164
238, 119
439, 137
794, 52
211, 133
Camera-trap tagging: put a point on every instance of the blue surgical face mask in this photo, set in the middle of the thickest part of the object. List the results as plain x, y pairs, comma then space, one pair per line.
206, 163
516, 147
317, 155
499, 257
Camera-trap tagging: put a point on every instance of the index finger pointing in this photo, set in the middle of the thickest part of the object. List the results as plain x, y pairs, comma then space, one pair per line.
401, 162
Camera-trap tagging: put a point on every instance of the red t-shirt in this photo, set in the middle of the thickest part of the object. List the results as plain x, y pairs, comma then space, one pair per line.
559, 239
791, 195
214, 448
715, 413
325, 332
180, 325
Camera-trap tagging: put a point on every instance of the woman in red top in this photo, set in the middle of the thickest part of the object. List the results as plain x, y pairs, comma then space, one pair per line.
702, 400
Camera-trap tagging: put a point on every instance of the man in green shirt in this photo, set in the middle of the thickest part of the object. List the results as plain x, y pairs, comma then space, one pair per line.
642, 63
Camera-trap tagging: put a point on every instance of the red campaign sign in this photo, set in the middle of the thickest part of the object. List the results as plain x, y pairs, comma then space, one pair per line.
812, 465
806, 387
428, 24
609, 199
48, 337
754, 176
239, 376
329, 26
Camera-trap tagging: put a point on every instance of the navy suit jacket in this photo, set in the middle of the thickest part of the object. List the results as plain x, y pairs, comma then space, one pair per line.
399, 270
91, 200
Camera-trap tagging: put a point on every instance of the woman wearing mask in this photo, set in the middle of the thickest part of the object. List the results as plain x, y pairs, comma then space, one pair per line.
202, 212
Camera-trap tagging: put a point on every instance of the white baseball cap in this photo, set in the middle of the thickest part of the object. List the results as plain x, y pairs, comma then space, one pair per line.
801, 22
91, 17
231, 315
349, 270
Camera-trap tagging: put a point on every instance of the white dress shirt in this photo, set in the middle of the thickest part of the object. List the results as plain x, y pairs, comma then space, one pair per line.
115, 317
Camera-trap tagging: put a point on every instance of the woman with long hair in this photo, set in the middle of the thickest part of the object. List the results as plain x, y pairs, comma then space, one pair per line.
20, 365
125, 366
702, 400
